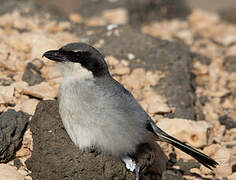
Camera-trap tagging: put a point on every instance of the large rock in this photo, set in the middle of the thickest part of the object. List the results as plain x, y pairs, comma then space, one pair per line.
56, 157
12, 127
8, 172
174, 60
32, 75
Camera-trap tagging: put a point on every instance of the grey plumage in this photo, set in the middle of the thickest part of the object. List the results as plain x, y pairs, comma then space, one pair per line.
97, 111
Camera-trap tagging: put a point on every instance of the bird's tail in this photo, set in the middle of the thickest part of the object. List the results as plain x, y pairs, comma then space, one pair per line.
202, 158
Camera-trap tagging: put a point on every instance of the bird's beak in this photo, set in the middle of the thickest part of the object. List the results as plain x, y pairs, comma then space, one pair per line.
55, 55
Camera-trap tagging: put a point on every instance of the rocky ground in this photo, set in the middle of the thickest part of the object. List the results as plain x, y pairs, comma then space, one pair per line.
182, 71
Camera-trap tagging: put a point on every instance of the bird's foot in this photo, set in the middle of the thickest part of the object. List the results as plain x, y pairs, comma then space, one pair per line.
131, 165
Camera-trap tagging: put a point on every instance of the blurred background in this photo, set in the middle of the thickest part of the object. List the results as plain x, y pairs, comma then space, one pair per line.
178, 58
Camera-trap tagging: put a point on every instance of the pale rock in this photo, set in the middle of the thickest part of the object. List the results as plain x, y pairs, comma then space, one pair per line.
195, 133
8, 65
20, 86
18, 76
228, 39
122, 71
111, 27
76, 18
55, 82
50, 72
211, 149
116, 16
40, 43
231, 51
137, 93
136, 79
157, 104
29, 106
131, 56
95, 21
195, 170
20, 98
223, 157
8, 172
111, 60
152, 78
6, 94
233, 176
23, 152
28, 140
23, 172
55, 27
20, 66
124, 62
42, 90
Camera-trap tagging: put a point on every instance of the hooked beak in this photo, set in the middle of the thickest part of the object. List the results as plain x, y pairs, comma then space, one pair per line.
55, 55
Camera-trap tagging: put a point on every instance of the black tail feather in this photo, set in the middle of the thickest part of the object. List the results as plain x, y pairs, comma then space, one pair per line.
202, 158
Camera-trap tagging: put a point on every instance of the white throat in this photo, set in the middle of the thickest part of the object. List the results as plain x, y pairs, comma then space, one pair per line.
74, 71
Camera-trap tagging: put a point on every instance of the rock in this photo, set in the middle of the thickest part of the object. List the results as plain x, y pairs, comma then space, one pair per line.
116, 16
211, 149
5, 82
196, 133
8, 172
170, 175
55, 157
42, 90
76, 18
32, 75
12, 127
229, 63
174, 60
233, 176
157, 104
29, 106
6, 94
50, 72
223, 157
227, 121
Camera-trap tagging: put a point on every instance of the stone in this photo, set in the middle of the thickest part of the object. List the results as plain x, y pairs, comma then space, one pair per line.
8, 172
157, 104
29, 106
42, 90
116, 16
6, 94
12, 127
76, 18
224, 158
51, 72
228, 122
211, 149
95, 21
112, 60
54, 155
196, 133
121, 71
173, 61
170, 175
229, 63
233, 176
32, 75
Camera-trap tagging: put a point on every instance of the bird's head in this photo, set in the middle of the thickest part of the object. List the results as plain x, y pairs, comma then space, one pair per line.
79, 57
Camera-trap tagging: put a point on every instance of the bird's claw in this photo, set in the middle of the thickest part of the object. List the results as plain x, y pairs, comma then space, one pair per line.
131, 165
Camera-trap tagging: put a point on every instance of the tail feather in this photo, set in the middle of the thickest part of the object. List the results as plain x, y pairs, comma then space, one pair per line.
202, 158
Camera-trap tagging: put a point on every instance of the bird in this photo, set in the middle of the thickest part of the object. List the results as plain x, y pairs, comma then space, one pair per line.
98, 112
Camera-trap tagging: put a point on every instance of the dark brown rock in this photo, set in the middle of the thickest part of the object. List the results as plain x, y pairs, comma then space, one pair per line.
12, 127
56, 157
